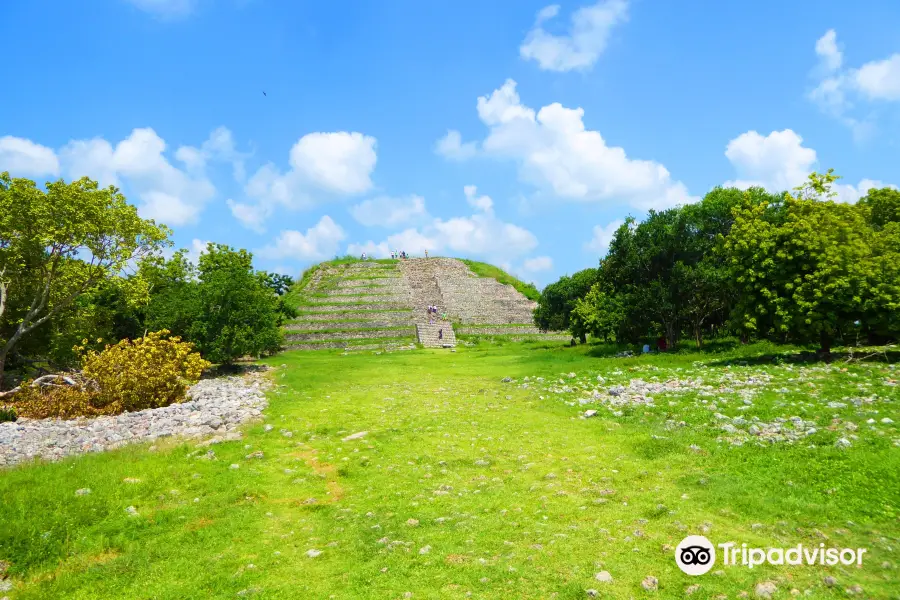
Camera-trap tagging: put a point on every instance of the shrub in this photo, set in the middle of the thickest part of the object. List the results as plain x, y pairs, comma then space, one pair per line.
7, 414
148, 372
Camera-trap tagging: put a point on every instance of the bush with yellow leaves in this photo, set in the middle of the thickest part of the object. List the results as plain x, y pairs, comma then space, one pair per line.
148, 372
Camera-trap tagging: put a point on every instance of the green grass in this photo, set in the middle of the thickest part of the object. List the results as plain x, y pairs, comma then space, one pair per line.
515, 496
358, 342
485, 270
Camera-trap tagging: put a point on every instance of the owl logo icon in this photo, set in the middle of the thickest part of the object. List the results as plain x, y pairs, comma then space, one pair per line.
695, 555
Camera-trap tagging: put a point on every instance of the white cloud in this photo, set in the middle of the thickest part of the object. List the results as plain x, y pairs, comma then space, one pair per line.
582, 45
537, 264
389, 212
827, 49
197, 248
602, 237
138, 164
779, 162
451, 146
253, 217
880, 79
319, 242
556, 153
481, 234
338, 163
24, 158
851, 193
220, 147
165, 8
482, 203
844, 93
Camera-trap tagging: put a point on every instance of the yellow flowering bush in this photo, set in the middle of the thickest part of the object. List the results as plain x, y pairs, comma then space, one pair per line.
148, 372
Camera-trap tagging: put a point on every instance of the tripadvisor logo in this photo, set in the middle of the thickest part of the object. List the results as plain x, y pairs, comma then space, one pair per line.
696, 555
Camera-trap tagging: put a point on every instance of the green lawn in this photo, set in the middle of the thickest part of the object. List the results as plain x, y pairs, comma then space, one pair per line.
466, 485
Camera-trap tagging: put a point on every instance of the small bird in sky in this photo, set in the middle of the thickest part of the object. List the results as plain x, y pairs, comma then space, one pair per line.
264, 93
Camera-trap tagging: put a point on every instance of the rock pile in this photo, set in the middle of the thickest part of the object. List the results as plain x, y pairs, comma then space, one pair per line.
216, 406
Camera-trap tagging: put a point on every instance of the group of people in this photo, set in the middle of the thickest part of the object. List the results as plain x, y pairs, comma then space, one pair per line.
433, 312
395, 254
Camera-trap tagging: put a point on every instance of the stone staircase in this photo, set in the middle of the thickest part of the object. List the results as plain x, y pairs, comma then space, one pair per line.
429, 335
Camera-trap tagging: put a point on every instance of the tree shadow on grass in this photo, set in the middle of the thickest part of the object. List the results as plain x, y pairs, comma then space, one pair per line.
731, 351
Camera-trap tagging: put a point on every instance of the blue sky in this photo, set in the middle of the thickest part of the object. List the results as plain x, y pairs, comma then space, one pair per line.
516, 132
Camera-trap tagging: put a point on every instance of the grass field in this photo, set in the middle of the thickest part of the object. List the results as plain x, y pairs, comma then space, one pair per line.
470, 486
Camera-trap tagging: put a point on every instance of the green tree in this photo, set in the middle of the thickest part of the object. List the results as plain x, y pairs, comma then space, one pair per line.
237, 314
58, 244
800, 268
558, 299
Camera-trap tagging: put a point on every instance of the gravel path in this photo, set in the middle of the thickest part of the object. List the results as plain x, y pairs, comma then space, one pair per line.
217, 406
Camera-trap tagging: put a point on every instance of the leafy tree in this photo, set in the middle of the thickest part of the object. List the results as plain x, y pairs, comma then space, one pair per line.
173, 299
276, 282
883, 206
600, 313
558, 299
236, 314
58, 244
800, 268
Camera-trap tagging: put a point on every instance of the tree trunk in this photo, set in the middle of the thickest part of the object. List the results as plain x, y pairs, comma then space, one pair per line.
583, 338
2, 367
698, 335
670, 336
826, 344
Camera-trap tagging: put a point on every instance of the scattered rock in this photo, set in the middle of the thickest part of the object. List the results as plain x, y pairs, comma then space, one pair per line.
603, 576
312, 553
650, 583
356, 436
83, 492
765, 589
131, 511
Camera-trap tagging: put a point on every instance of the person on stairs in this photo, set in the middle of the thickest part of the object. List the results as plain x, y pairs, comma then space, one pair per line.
440, 334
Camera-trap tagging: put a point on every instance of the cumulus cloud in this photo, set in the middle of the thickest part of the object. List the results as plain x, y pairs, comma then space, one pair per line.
602, 237
780, 162
385, 211
585, 41
828, 52
138, 164
558, 155
880, 79
481, 234
777, 162
220, 147
847, 93
320, 241
537, 264
482, 203
251, 216
24, 158
330, 164
452, 147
